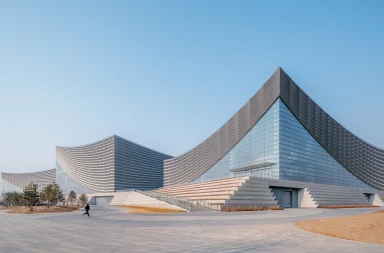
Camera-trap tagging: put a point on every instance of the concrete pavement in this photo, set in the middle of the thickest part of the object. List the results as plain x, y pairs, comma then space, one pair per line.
112, 229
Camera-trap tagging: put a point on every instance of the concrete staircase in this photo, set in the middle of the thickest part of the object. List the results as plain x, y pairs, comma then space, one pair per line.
238, 191
329, 195
314, 195
255, 191
133, 199
305, 199
244, 191
377, 199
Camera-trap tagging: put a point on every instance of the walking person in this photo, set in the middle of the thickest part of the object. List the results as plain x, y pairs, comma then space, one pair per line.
87, 209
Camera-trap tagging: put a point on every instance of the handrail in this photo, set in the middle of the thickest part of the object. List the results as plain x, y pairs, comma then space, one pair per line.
183, 202
169, 199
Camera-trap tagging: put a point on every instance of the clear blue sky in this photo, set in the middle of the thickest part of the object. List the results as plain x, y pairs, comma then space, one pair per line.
167, 74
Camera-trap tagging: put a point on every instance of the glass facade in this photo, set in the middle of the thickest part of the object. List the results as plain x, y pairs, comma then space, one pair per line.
303, 159
67, 184
279, 147
257, 154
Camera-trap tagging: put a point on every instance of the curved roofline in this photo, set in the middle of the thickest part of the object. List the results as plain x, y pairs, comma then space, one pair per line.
109, 137
348, 149
23, 173
278, 69
85, 145
373, 145
142, 146
224, 123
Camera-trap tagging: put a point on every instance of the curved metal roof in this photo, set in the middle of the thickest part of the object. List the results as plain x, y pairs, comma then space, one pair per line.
363, 160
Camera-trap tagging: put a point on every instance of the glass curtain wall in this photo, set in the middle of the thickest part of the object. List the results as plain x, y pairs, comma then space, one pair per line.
303, 159
279, 147
256, 154
67, 184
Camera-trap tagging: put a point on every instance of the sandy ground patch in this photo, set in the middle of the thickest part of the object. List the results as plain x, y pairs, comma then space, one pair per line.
348, 206
42, 209
250, 208
147, 209
8, 208
361, 228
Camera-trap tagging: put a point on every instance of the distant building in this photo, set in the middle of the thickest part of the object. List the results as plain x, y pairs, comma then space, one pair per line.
17, 181
109, 165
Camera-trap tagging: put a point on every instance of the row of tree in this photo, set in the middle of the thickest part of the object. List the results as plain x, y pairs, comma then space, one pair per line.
49, 195
72, 197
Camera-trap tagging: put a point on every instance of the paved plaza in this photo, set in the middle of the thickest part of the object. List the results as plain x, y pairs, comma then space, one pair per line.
112, 229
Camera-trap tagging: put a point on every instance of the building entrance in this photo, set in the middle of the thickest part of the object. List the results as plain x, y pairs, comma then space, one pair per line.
285, 197
287, 202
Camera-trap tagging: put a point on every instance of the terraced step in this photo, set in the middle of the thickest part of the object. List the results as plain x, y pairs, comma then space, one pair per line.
199, 190
214, 182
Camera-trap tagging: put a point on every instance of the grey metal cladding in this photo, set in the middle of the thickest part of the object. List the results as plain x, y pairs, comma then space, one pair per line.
137, 167
113, 164
363, 160
91, 165
350, 151
41, 178
195, 162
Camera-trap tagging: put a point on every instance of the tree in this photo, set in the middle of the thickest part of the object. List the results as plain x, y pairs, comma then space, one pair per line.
13, 198
31, 195
83, 199
72, 196
7, 199
51, 194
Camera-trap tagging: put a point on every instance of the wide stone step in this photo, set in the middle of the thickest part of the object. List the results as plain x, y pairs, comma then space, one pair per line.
341, 199
229, 188
232, 189
226, 185
214, 197
217, 182
198, 189
253, 193
341, 202
337, 196
333, 191
260, 189
255, 187
238, 197
204, 193
338, 199
332, 188
251, 202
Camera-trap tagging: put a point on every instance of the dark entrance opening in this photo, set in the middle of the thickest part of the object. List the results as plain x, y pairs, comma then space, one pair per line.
287, 201
369, 197
286, 197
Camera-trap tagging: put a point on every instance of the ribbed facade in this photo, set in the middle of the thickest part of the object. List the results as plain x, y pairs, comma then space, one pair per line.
364, 161
360, 158
17, 181
137, 167
91, 166
112, 164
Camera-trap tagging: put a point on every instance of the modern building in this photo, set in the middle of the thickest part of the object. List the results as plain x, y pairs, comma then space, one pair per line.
281, 133
11, 182
109, 165
280, 148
